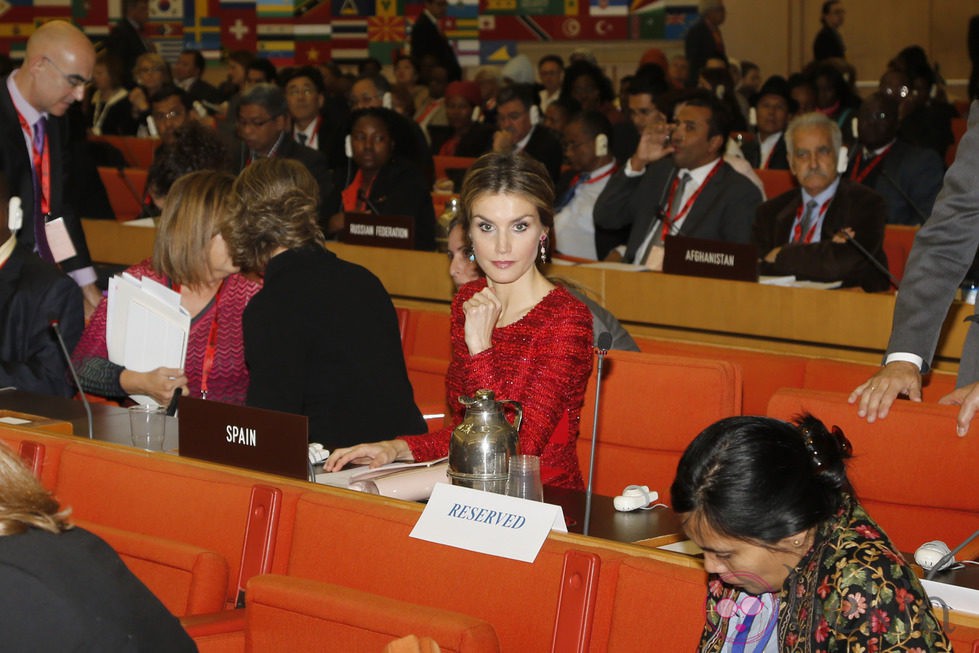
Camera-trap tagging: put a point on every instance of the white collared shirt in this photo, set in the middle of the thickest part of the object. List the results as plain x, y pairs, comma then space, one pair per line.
822, 199
312, 133
766, 147
574, 225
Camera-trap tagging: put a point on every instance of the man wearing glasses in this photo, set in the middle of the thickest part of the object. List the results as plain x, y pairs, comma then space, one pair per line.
34, 156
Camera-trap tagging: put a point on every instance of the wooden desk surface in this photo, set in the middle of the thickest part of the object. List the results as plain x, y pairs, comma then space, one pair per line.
842, 324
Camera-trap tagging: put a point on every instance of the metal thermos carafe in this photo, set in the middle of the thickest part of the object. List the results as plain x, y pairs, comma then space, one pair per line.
481, 446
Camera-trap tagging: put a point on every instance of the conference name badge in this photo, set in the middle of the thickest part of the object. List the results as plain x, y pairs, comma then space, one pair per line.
488, 523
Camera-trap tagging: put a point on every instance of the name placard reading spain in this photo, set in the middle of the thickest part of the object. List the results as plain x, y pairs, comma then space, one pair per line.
488, 523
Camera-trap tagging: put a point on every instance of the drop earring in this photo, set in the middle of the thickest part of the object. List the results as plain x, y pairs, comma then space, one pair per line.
543, 248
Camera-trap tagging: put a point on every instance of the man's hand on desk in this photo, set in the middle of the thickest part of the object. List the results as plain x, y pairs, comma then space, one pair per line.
373, 453
770, 257
878, 393
968, 398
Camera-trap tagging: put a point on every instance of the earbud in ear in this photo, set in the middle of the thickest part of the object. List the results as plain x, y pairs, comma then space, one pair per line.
477, 114
753, 117
842, 160
855, 127
386, 101
15, 214
348, 147
601, 145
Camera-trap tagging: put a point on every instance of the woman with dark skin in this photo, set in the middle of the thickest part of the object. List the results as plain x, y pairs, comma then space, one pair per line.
384, 183
469, 138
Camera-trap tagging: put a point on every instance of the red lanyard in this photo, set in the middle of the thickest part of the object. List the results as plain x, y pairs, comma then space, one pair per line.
592, 180
212, 343
768, 159
668, 222
857, 175
42, 164
797, 231
312, 137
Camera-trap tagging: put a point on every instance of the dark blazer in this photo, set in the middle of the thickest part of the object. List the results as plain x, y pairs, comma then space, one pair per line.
699, 46
426, 39
126, 44
411, 144
70, 592
943, 251
118, 119
828, 45
854, 206
201, 90
400, 189
315, 162
909, 179
321, 340
15, 163
546, 148
32, 294
779, 159
724, 210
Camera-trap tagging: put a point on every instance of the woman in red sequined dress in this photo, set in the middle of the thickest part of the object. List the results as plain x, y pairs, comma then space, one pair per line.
513, 332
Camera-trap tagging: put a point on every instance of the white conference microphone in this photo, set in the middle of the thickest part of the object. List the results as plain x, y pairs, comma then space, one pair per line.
604, 344
55, 325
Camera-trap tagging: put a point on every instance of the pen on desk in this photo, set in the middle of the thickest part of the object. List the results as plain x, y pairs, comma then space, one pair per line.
172, 408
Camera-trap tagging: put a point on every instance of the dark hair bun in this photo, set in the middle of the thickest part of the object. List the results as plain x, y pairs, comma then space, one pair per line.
829, 450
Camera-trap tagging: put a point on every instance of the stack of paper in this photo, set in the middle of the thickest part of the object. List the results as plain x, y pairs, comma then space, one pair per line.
146, 326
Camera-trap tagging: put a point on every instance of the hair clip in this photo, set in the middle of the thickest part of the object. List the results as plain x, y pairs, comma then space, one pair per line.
842, 441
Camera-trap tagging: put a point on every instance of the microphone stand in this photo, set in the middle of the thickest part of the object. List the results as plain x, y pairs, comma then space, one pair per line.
870, 257
74, 375
604, 343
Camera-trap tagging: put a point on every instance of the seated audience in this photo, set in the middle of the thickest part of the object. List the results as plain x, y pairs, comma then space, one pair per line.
431, 114
109, 111
237, 62
550, 73
406, 78
835, 98
321, 337
801, 90
171, 108
262, 122
639, 107
799, 232
587, 84
679, 187
32, 294
518, 118
925, 121
750, 84
719, 82
385, 182
515, 332
260, 71
192, 147
65, 588
463, 269
678, 72
304, 91
908, 177
488, 78
790, 551
190, 257
587, 149
187, 71
151, 73
773, 106
469, 137
559, 113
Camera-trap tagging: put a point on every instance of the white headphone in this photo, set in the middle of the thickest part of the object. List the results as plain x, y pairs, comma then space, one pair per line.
348, 147
634, 497
601, 145
386, 101
930, 553
15, 215
477, 114
534, 114
843, 160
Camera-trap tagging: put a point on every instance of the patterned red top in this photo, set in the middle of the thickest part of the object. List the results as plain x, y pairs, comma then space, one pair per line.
228, 379
542, 361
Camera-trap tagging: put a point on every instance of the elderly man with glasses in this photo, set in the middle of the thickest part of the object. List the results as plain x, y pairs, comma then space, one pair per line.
34, 153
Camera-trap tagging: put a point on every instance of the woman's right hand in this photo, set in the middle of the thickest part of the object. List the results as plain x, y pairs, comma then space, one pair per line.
373, 453
158, 384
482, 312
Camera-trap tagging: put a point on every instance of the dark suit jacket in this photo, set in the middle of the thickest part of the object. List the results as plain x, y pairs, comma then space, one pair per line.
723, 211
71, 592
828, 44
126, 44
778, 161
853, 206
908, 179
546, 148
943, 251
400, 189
32, 294
315, 162
201, 90
699, 46
15, 163
426, 39
321, 340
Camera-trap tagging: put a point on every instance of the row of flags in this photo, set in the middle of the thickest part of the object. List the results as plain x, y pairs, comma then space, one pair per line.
292, 32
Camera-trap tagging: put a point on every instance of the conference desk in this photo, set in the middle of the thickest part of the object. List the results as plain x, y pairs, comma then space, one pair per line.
111, 424
843, 324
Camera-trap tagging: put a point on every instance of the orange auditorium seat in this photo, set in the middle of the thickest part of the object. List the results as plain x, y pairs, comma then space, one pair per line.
650, 409
445, 163
910, 470
898, 240
776, 182
124, 187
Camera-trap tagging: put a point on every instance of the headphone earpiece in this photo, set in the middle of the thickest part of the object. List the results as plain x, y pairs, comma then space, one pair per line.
534, 115
719, 91
477, 114
843, 160
15, 215
151, 127
386, 101
348, 147
601, 145
855, 127
753, 117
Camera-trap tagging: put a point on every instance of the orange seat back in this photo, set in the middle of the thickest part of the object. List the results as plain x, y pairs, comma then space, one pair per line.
898, 240
776, 182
